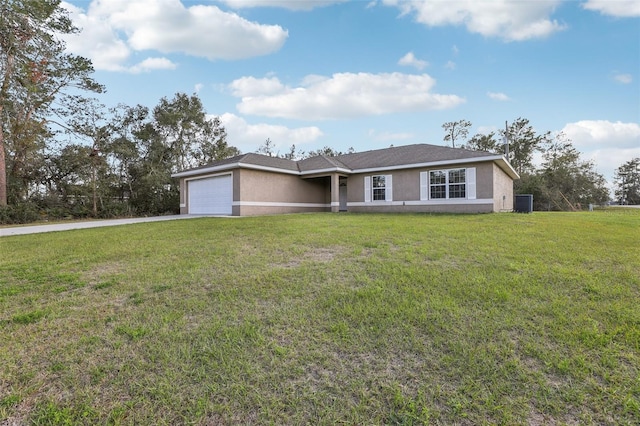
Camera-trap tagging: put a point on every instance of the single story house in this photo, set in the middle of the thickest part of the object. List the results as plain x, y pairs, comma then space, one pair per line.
411, 178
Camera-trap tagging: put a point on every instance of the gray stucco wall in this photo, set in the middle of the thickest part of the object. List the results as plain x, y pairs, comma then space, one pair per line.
257, 192
263, 192
503, 190
406, 192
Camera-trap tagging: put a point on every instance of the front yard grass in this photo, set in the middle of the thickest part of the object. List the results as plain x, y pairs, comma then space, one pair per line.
325, 319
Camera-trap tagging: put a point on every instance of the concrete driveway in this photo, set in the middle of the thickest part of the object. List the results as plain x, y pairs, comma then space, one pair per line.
35, 229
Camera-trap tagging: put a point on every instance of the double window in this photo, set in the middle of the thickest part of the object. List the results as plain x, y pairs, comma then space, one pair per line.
448, 184
377, 188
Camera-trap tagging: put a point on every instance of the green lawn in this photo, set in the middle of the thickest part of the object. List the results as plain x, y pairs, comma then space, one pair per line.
326, 319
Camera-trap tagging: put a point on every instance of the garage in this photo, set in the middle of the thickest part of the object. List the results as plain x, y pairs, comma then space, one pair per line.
211, 195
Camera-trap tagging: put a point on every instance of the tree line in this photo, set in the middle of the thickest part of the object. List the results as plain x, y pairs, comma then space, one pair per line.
119, 163
62, 153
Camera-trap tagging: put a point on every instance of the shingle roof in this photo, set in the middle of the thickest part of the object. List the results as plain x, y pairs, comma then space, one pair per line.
320, 162
408, 154
266, 161
379, 158
249, 158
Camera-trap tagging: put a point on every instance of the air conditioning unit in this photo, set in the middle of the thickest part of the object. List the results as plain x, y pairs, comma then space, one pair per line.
523, 203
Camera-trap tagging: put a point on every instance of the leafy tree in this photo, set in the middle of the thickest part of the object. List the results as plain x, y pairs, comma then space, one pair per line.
523, 143
627, 182
179, 135
122, 150
70, 174
568, 181
487, 143
87, 120
328, 152
267, 148
191, 137
24, 157
293, 153
455, 130
35, 71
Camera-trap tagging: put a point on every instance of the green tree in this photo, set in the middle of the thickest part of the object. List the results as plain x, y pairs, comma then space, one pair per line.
627, 182
294, 153
178, 136
70, 173
122, 150
35, 71
192, 138
487, 143
267, 148
568, 182
328, 152
87, 120
523, 143
455, 130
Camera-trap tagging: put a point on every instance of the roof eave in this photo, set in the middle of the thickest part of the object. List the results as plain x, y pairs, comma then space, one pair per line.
506, 167
205, 170
327, 170
238, 165
500, 160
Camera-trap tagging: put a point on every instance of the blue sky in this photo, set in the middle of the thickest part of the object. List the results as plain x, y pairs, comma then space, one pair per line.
369, 74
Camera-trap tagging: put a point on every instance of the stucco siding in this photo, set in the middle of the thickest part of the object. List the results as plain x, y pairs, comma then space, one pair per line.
503, 190
183, 197
406, 193
484, 180
432, 208
261, 192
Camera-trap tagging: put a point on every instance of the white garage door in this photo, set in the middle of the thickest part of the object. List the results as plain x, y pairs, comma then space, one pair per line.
211, 195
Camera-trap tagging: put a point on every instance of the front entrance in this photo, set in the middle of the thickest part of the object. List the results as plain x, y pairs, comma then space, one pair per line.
343, 194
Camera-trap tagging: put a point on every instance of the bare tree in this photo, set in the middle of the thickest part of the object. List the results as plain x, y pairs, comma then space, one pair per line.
455, 130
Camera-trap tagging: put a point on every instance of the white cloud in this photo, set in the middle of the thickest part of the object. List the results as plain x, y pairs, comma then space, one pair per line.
285, 4
608, 144
623, 78
617, 8
248, 137
590, 133
151, 64
112, 30
507, 19
345, 95
498, 96
251, 86
198, 87
450, 65
97, 41
410, 60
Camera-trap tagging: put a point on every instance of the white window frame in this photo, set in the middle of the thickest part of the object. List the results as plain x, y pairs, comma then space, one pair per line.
470, 184
369, 189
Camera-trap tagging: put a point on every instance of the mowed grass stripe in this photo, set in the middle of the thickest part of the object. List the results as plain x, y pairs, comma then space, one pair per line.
325, 319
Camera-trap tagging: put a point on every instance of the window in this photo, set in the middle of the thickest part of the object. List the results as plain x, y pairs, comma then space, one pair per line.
457, 186
377, 188
448, 184
438, 184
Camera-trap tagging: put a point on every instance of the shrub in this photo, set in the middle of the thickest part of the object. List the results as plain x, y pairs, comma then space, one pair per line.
19, 213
